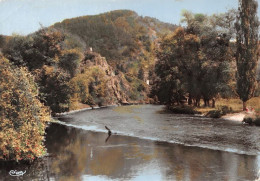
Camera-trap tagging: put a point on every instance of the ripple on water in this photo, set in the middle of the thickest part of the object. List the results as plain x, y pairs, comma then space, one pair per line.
148, 122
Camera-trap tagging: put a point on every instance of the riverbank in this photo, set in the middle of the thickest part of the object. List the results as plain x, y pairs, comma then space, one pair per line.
221, 112
237, 116
83, 109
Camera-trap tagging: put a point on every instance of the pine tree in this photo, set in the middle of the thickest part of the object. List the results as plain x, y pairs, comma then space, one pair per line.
247, 42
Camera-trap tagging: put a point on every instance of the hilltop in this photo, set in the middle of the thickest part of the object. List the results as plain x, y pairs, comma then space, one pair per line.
122, 36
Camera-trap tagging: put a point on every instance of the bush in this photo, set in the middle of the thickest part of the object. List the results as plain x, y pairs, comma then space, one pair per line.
225, 110
182, 110
252, 121
248, 120
22, 117
221, 111
214, 114
257, 121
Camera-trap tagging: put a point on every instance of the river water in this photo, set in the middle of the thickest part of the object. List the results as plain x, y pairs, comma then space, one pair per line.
147, 144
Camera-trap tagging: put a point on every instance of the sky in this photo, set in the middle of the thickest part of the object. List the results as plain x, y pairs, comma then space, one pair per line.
26, 16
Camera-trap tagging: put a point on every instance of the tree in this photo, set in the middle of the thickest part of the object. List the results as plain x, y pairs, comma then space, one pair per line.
90, 87
23, 118
247, 49
177, 67
44, 55
70, 61
54, 88
216, 52
18, 49
36, 50
194, 61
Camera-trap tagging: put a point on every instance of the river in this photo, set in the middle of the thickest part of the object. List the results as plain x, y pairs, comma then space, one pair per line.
147, 144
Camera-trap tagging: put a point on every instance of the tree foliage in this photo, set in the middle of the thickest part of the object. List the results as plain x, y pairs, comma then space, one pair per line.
70, 61
49, 55
193, 62
22, 117
91, 87
34, 51
54, 88
247, 49
124, 32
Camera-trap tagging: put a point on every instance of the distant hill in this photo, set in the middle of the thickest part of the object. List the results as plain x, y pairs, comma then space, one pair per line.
119, 35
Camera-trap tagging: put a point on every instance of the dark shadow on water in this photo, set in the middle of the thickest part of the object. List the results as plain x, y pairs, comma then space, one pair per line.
83, 155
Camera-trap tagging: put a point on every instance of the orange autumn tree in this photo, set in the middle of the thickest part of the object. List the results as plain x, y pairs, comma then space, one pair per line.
22, 117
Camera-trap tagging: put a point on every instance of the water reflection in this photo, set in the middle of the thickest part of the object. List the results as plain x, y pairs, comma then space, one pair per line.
80, 155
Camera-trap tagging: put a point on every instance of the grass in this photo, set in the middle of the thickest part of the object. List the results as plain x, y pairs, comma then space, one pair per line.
126, 109
235, 104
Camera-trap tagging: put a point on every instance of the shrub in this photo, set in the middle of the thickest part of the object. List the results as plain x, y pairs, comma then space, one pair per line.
22, 117
257, 121
221, 111
225, 110
182, 109
252, 120
214, 114
248, 120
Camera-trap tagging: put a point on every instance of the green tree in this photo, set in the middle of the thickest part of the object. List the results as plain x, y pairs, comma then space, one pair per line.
54, 88
18, 49
247, 49
217, 55
173, 64
70, 61
194, 61
36, 50
44, 54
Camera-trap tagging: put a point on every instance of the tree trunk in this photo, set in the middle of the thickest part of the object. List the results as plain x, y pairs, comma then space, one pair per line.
244, 105
208, 102
194, 102
205, 102
198, 102
213, 103
189, 100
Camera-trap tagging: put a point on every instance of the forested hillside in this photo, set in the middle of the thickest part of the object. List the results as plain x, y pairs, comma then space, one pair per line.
92, 60
124, 38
